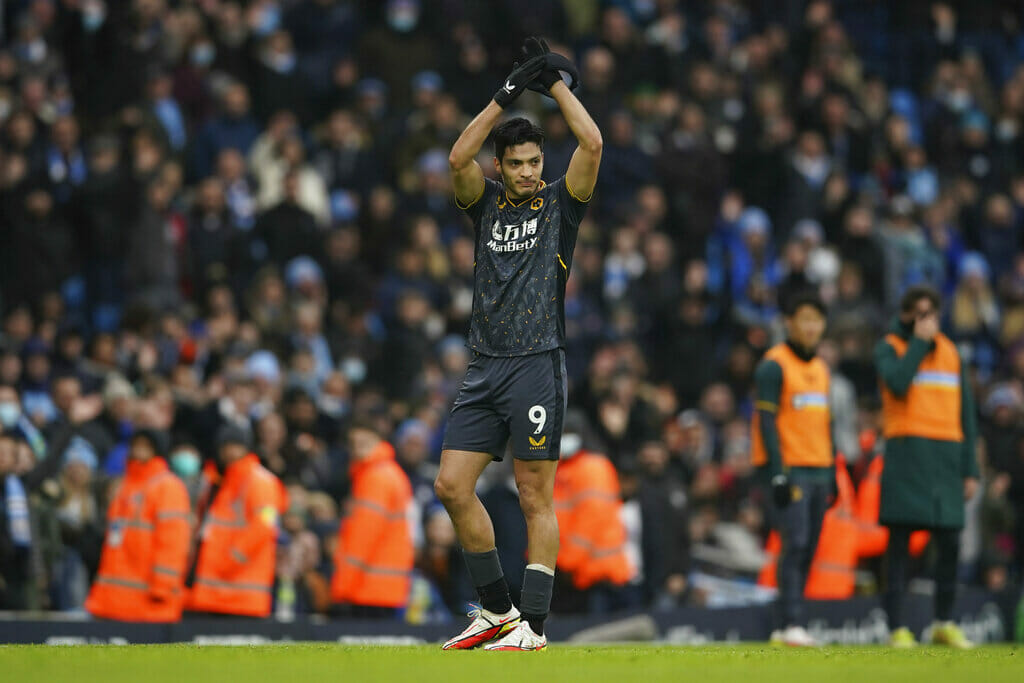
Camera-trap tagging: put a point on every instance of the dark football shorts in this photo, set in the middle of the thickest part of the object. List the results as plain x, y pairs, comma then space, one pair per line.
522, 398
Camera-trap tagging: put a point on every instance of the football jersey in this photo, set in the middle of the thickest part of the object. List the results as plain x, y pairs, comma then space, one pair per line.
523, 256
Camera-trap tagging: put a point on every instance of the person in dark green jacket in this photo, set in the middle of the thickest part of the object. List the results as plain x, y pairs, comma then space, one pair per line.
929, 424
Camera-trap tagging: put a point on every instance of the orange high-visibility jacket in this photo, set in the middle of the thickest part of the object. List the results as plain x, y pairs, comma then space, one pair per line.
592, 535
831, 576
142, 570
235, 569
374, 559
874, 538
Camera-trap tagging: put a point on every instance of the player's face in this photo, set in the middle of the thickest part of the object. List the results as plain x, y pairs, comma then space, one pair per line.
520, 169
806, 326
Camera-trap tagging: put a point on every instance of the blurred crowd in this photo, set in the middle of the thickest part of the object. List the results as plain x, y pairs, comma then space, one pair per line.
239, 212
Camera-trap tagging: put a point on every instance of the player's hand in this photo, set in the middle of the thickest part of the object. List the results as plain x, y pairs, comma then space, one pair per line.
970, 487
927, 326
535, 46
516, 82
782, 492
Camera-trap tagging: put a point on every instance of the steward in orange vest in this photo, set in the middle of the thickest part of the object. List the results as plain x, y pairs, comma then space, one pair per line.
929, 423
374, 559
142, 570
592, 535
792, 445
238, 537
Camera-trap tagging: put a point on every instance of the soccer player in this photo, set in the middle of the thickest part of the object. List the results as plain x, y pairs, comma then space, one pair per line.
515, 386
792, 445
930, 467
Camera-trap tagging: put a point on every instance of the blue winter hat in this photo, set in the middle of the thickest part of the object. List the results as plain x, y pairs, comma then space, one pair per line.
428, 80
755, 220
973, 263
372, 86
263, 365
80, 450
302, 269
435, 161
412, 427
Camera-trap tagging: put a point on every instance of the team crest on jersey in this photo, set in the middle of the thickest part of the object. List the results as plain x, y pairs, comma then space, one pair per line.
537, 203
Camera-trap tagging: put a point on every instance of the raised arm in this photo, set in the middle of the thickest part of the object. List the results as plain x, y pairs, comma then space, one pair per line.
467, 176
897, 372
581, 175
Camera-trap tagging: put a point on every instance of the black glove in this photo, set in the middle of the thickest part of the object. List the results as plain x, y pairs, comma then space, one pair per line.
782, 492
516, 83
535, 46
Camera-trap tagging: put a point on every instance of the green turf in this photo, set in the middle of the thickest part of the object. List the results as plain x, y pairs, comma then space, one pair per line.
315, 663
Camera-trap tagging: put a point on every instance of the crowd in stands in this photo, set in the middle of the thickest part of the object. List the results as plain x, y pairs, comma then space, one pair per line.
231, 212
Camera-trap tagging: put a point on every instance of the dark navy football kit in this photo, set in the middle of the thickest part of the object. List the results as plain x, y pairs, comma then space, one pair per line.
516, 382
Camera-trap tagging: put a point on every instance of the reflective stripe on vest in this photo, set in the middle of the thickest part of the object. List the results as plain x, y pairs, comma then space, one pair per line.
166, 571
378, 509
214, 520
370, 569
125, 523
123, 583
931, 407
233, 585
802, 416
594, 551
586, 495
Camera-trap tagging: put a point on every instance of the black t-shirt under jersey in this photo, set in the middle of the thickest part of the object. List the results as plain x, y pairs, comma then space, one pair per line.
523, 256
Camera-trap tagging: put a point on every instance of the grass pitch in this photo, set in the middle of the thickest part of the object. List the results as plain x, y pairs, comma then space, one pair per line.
316, 662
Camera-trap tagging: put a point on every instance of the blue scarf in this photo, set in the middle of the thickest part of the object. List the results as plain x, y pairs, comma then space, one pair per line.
17, 512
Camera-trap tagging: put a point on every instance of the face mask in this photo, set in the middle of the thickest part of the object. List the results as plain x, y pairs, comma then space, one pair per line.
93, 18
203, 54
332, 406
354, 369
281, 63
571, 444
185, 464
9, 413
959, 100
403, 19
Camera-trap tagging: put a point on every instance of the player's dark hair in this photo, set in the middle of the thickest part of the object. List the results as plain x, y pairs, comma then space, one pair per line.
515, 132
807, 297
910, 298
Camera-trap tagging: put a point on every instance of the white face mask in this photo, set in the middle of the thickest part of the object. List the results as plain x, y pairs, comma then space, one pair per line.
10, 412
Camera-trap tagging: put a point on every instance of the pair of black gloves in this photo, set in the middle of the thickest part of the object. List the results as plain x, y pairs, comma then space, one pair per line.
538, 69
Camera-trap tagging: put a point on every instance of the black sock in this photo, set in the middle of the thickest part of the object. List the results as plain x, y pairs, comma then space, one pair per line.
536, 622
538, 582
489, 580
494, 596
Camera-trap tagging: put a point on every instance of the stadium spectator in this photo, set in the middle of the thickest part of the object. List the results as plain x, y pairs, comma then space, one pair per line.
374, 558
141, 576
234, 567
592, 543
